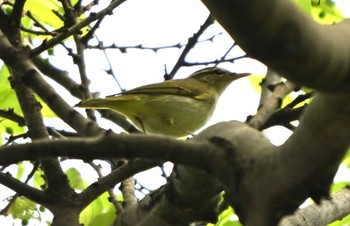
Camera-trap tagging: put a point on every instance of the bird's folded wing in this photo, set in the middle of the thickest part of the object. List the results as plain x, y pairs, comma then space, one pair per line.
109, 102
193, 89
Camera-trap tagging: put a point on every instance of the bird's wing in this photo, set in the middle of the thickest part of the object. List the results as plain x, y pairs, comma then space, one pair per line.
175, 87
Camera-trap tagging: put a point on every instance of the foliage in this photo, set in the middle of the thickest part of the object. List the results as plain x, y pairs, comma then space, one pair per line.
99, 212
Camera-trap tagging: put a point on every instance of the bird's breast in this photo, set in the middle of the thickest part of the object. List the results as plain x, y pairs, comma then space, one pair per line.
173, 115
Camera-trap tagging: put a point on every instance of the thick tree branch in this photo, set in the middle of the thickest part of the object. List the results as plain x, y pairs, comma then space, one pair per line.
329, 210
114, 146
31, 108
37, 130
190, 195
322, 138
271, 79
280, 35
59, 76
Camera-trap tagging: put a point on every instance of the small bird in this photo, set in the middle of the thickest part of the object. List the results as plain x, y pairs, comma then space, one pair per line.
174, 107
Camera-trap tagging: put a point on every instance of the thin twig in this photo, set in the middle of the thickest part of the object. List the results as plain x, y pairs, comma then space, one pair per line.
79, 57
123, 49
227, 52
232, 60
191, 43
13, 116
300, 99
76, 28
111, 194
110, 71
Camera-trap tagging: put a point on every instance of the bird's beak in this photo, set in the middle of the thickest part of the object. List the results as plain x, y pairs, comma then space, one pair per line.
239, 75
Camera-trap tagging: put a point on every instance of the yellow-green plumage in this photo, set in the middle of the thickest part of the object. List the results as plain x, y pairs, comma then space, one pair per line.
174, 107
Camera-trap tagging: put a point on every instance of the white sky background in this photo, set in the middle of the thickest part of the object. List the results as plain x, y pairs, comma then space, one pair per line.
155, 23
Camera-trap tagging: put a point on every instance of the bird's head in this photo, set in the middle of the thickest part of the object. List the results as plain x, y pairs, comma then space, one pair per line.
217, 78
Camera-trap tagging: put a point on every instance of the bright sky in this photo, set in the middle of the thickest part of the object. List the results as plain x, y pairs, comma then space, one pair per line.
344, 6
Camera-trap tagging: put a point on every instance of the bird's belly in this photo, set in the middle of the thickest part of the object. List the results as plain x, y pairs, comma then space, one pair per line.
173, 116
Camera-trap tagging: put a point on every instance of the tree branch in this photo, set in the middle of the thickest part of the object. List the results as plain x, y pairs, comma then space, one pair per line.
59, 76
33, 118
191, 43
321, 138
112, 198
271, 104
21, 64
271, 79
283, 37
23, 189
329, 210
76, 28
104, 147
17, 13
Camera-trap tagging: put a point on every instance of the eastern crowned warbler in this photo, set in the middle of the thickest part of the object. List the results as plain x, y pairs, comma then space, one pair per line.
174, 107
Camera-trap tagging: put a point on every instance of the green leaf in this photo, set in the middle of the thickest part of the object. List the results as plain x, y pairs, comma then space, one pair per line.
22, 208
20, 170
39, 179
7, 126
255, 81
346, 159
326, 12
226, 219
339, 185
43, 11
9, 130
304, 5
8, 98
75, 179
8, 9
99, 212
105, 218
344, 222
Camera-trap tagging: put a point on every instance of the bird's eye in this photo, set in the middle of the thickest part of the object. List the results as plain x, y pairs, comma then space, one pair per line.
217, 72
